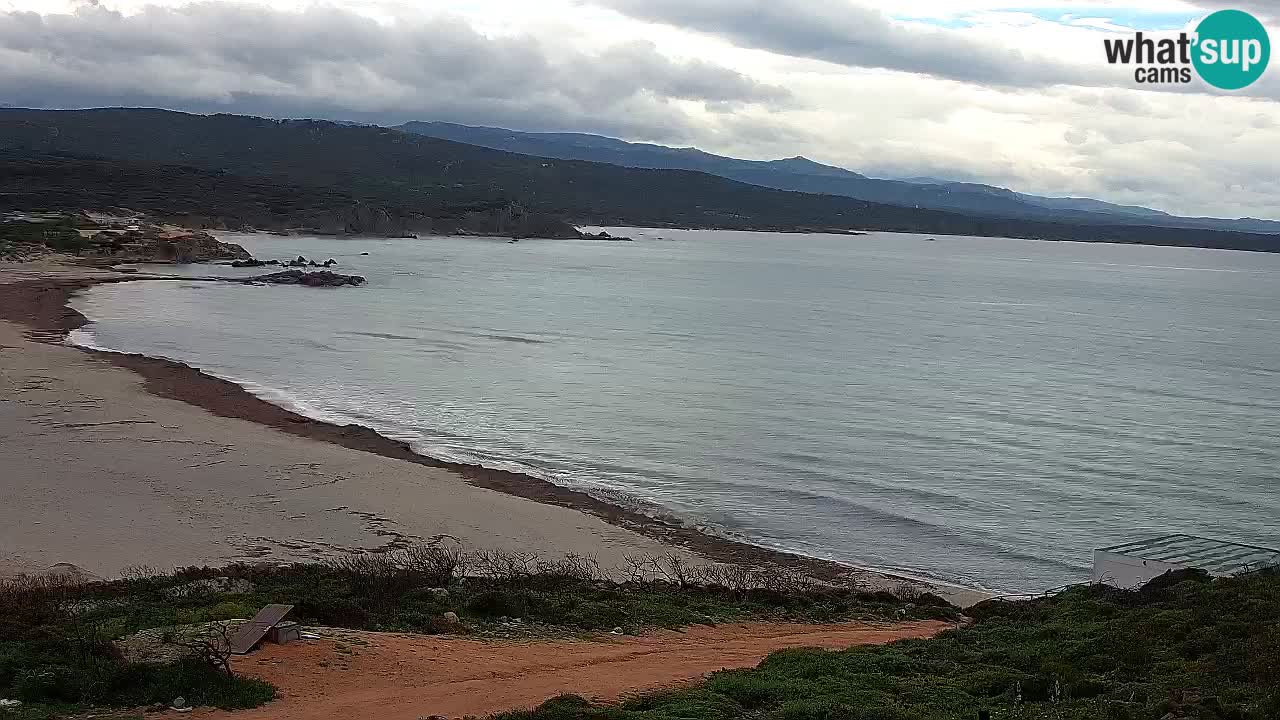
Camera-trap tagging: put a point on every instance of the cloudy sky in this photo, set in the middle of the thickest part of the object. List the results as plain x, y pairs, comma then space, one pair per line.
1015, 93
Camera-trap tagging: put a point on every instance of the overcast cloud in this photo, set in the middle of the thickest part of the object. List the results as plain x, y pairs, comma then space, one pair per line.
238, 57
1012, 92
867, 37
859, 37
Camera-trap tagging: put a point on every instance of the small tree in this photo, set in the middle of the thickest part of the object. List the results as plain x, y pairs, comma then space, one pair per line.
214, 648
512, 219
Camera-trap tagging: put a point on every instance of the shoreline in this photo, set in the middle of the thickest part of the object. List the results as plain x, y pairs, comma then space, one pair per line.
42, 306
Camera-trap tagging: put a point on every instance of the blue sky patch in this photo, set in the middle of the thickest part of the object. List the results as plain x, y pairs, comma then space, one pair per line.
1136, 18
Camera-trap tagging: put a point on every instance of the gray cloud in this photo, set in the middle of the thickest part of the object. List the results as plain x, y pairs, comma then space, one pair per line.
1262, 8
324, 62
1076, 136
838, 32
853, 35
239, 57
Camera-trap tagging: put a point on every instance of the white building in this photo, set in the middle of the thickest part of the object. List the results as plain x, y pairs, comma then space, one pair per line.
1134, 563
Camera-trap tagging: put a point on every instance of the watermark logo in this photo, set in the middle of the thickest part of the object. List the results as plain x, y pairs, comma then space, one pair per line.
1234, 49
1229, 50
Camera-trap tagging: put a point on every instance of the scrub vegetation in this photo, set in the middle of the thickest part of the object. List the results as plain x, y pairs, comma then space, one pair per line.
1181, 647
60, 648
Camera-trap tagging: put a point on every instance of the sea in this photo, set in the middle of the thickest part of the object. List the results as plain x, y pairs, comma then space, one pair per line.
981, 412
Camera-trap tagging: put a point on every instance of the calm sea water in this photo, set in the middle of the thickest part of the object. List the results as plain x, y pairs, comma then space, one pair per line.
980, 411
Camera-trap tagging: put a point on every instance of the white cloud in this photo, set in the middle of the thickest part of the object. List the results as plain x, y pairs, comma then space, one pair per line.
1014, 93
330, 61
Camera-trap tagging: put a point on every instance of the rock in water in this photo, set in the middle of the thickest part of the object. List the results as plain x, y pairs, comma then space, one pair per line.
323, 278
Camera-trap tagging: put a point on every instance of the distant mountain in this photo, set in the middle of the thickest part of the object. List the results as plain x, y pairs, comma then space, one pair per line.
923, 180
804, 175
1098, 206
800, 165
1056, 203
598, 148
236, 170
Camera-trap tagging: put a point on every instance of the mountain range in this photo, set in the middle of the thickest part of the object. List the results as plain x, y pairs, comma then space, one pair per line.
316, 175
804, 175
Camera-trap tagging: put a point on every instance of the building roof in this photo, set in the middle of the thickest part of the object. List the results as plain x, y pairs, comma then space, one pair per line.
1218, 557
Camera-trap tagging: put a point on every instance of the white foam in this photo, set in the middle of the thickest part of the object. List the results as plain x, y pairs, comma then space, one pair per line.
621, 497
84, 338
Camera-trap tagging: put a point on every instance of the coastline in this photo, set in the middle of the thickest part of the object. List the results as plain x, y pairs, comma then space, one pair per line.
41, 305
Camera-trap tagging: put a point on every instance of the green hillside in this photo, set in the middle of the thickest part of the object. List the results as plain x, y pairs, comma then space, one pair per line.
412, 176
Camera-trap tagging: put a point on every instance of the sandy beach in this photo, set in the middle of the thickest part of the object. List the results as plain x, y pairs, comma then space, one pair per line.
117, 460
103, 475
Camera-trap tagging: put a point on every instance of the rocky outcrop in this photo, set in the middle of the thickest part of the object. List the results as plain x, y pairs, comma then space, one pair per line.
253, 262
511, 223
301, 261
144, 243
602, 235
323, 278
191, 247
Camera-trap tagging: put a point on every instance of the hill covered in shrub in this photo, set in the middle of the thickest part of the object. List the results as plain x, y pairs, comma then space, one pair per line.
343, 176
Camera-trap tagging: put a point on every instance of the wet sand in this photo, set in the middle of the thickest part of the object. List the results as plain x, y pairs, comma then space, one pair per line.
123, 460
104, 475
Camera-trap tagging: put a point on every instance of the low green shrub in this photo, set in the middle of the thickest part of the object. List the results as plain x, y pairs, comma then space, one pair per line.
1184, 645
55, 649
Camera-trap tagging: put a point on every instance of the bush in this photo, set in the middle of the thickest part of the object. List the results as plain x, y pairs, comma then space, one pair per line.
53, 635
498, 602
1083, 654
68, 241
56, 652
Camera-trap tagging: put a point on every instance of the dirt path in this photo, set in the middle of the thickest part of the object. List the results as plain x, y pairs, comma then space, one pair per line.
394, 677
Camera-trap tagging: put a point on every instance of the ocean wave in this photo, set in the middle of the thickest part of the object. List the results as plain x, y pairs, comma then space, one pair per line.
500, 335
921, 437
421, 443
379, 335
916, 525
623, 498
513, 338
84, 338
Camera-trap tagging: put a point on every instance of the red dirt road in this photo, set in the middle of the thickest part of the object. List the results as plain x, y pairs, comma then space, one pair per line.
406, 677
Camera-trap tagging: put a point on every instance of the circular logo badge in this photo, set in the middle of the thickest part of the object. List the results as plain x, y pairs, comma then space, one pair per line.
1233, 49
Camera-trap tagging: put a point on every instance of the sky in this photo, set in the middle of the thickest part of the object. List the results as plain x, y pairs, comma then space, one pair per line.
1015, 93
